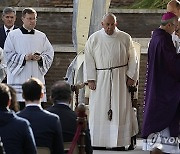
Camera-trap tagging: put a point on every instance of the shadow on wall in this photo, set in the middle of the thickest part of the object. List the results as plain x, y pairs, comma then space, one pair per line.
27, 3
57, 3
19, 2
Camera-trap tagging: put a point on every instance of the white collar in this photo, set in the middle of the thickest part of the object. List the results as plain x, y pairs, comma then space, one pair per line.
26, 28
33, 104
5, 28
110, 36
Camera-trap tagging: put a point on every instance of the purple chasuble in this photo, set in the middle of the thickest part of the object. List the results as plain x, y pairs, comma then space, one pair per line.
162, 93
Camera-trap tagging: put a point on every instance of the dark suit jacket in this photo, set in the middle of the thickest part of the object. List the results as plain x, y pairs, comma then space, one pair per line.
46, 127
69, 124
3, 36
16, 134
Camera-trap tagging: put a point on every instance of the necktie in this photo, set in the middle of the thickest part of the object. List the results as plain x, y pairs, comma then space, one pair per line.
7, 32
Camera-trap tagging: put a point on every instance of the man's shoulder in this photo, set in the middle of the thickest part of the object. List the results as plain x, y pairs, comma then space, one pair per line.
40, 113
50, 115
96, 33
123, 34
95, 36
61, 110
51, 108
20, 121
39, 32
15, 31
60, 107
20, 113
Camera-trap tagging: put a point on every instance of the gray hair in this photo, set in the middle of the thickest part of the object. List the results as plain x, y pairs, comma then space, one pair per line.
7, 10
165, 22
109, 14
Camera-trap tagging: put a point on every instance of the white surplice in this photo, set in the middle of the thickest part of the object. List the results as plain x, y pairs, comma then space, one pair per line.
104, 51
176, 41
17, 45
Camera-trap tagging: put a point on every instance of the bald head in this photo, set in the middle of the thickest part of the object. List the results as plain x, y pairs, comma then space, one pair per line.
174, 7
109, 15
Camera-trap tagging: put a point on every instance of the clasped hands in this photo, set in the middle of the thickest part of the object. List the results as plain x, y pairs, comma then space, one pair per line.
33, 56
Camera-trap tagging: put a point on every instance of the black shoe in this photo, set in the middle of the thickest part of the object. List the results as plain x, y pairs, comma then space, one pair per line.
133, 143
131, 147
119, 149
99, 148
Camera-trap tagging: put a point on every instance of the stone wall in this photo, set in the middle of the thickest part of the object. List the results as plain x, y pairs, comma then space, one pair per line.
57, 22
56, 3
58, 69
142, 78
117, 3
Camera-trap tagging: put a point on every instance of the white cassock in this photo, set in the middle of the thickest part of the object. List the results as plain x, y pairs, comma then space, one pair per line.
104, 51
176, 42
17, 45
2, 66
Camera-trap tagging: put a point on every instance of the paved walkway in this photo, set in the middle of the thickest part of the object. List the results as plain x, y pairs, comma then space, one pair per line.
138, 150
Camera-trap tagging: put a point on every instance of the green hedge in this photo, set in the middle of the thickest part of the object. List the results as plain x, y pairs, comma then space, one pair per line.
150, 4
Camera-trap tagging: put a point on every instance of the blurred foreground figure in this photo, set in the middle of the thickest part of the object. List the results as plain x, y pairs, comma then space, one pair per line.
162, 99
15, 132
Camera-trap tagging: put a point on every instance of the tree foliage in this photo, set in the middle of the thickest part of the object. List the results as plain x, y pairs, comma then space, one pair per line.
150, 4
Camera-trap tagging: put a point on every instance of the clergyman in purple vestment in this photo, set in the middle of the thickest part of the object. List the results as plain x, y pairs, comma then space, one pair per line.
162, 93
